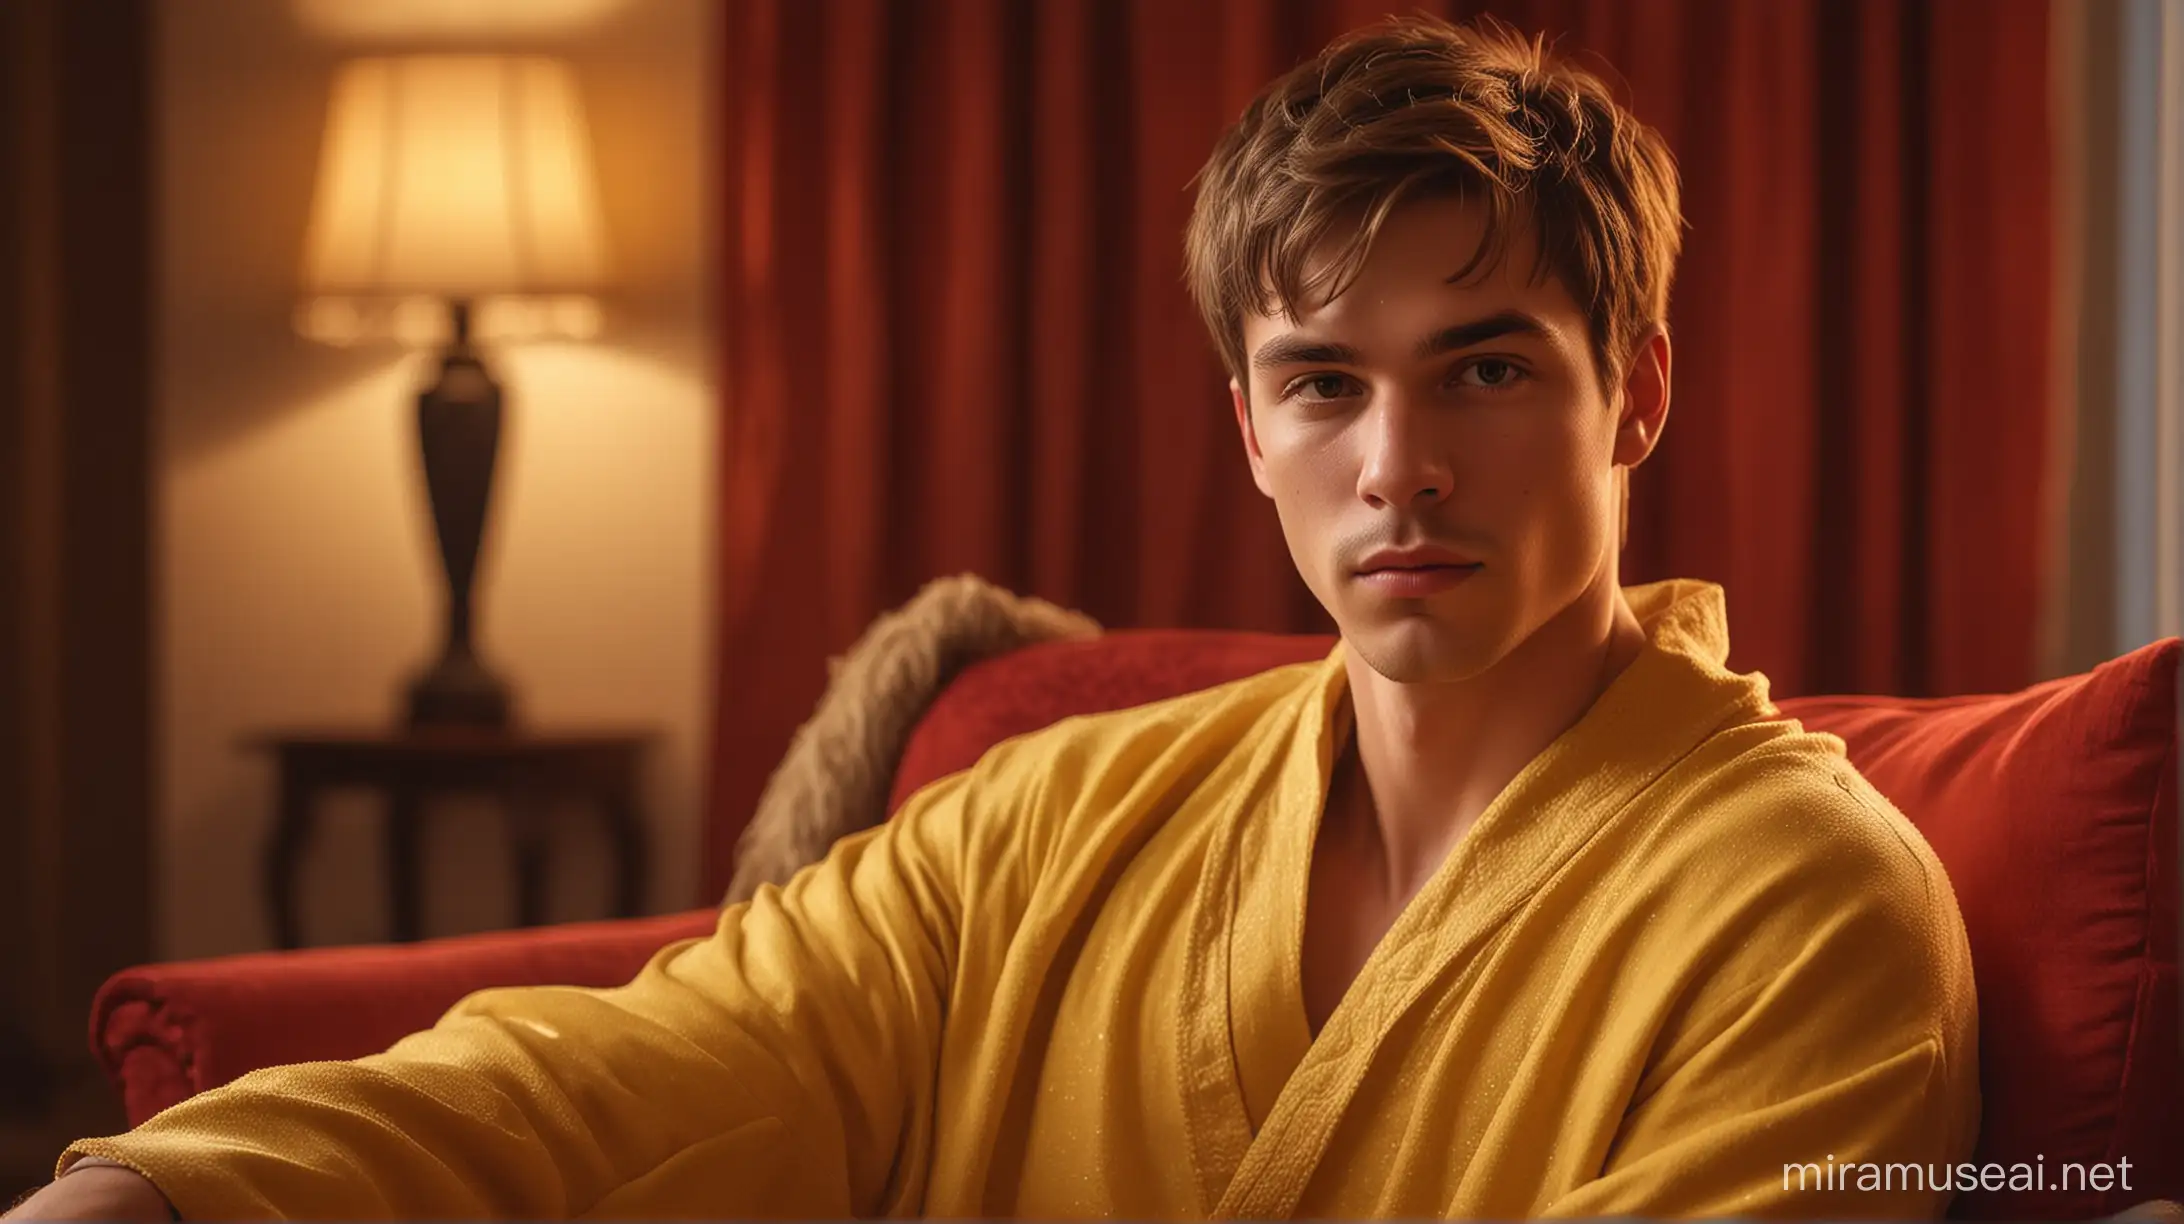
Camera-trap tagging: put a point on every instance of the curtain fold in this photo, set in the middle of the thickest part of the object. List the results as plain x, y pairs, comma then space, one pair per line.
956, 336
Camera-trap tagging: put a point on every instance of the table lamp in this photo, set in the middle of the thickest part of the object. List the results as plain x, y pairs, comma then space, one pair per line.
455, 204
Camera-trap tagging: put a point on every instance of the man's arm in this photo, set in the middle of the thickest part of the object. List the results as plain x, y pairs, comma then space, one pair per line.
774, 1068
1850, 1046
1861, 1142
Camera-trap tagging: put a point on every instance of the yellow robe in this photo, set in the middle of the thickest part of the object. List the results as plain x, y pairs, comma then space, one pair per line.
1687, 947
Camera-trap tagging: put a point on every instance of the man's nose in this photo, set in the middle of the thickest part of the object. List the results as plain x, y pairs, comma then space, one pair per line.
1404, 465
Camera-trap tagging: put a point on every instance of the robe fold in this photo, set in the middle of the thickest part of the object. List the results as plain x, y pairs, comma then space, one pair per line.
1687, 963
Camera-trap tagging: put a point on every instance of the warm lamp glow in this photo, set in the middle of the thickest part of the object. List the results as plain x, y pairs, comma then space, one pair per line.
454, 191
454, 176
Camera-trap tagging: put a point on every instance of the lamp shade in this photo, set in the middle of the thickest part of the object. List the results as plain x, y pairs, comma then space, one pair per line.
455, 176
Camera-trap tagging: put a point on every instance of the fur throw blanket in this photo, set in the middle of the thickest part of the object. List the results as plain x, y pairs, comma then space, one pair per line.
840, 766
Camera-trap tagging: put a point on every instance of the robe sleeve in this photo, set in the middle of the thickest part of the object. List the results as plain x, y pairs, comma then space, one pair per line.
1838, 1078
784, 1065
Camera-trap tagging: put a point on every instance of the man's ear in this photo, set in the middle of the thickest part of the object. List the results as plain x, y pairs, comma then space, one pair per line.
1643, 406
1251, 436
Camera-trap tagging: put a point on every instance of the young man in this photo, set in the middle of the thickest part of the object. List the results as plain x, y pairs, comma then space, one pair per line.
1519, 903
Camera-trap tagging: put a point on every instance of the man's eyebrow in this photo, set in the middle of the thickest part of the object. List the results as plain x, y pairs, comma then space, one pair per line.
1303, 350
1479, 331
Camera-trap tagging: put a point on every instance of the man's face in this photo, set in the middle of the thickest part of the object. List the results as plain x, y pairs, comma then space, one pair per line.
1443, 457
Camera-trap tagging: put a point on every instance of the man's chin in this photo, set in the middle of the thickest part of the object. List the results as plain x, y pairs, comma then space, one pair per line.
1422, 650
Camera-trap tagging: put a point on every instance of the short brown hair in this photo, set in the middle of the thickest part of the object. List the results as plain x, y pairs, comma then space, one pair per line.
1415, 105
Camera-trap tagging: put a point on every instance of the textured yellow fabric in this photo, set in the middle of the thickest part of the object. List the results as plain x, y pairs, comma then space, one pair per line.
1688, 945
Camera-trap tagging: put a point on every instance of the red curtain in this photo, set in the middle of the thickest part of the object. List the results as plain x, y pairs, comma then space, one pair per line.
956, 338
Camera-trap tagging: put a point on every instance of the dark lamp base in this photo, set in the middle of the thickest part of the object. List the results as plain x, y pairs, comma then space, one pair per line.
459, 692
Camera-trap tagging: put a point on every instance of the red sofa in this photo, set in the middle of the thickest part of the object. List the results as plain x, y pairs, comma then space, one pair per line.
2054, 810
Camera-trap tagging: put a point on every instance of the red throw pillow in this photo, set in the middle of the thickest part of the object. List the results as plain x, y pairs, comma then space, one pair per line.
2054, 810
1025, 690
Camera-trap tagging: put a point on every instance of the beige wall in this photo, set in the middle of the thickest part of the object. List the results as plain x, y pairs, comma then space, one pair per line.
296, 569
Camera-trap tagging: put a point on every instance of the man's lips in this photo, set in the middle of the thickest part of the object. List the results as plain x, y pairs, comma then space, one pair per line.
1416, 581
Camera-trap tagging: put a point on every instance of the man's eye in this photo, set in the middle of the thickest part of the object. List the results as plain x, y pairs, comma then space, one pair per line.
1318, 387
1491, 374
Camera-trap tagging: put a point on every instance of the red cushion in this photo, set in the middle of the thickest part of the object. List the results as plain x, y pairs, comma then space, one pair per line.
1030, 688
2054, 810
168, 1031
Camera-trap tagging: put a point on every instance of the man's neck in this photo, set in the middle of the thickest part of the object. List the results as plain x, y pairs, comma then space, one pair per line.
1426, 759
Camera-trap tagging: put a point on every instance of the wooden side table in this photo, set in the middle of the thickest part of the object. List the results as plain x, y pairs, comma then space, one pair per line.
527, 771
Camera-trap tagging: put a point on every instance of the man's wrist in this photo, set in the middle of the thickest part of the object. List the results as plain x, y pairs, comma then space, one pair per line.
82, 1163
